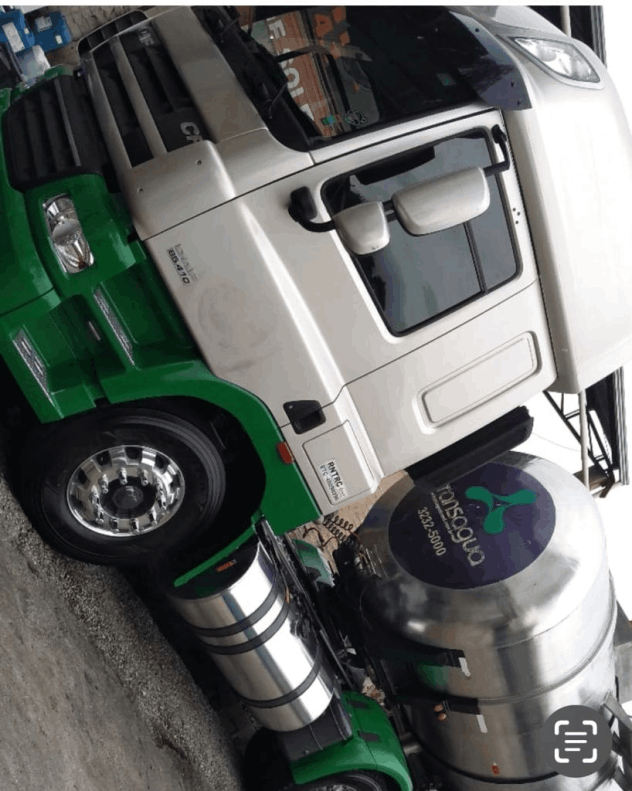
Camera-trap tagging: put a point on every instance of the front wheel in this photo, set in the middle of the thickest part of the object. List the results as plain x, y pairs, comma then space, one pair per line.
344, 781
124, 485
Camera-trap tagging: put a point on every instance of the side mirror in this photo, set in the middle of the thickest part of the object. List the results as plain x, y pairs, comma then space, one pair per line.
442, 202
363, 228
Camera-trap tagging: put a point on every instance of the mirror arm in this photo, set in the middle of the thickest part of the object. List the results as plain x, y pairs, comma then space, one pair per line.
302, 210
389, 209
500, 138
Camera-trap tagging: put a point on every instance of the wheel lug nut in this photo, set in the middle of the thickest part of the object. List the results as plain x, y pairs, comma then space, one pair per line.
135, 525
104, 484
94, 498
152, 516
122, 475
114, 525
144, 478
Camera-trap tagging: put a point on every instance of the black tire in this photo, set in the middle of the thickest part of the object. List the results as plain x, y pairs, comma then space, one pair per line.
358, 780
267, 769
186, 465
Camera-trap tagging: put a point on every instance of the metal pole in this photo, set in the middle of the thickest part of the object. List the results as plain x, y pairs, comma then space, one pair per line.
624, 738
583, 431
565, 11
619, 401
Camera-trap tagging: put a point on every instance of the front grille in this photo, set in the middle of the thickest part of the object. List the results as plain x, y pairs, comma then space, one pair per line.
50, 132
110, 30
127, 121
166, 95
148, 100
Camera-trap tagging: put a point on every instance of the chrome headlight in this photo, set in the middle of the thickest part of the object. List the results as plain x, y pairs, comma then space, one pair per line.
561, 57
65, 232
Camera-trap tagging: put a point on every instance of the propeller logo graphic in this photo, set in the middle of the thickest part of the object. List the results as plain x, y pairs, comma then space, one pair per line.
498, 504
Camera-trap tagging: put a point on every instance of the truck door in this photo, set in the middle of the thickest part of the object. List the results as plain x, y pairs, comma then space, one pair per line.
432, 336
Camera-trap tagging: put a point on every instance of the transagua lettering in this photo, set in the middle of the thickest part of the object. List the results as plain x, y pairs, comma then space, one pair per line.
456, 524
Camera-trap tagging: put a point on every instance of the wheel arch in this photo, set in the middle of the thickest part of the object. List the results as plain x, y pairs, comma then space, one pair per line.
286, 500
373, 746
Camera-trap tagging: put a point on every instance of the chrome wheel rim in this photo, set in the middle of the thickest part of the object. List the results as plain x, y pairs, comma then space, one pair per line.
128, 490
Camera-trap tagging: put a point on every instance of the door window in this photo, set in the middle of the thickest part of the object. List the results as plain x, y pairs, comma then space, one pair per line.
416, 279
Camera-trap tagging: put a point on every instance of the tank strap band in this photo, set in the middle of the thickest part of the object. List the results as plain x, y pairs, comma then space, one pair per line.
248, 621
254, 642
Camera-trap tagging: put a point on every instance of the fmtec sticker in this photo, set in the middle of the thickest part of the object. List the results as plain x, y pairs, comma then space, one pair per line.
181, 264
334, 484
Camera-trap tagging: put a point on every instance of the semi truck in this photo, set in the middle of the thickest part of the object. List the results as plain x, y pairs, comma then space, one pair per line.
259, 259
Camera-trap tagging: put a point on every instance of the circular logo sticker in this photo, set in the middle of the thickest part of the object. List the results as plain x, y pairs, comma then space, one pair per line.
483, 528
576, 741
355, 118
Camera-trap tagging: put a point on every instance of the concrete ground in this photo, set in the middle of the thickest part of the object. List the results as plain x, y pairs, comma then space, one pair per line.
92, 696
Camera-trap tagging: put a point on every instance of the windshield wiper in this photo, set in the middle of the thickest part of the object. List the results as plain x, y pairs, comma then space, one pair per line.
260, 74
269, 107
346, 53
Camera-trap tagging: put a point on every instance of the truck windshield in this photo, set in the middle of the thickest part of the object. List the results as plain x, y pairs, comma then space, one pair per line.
347, 68
416, 279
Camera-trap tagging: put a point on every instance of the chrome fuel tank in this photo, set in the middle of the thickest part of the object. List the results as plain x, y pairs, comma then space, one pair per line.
505, 569
249, 624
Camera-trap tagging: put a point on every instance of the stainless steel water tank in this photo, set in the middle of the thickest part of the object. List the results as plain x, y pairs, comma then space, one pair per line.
507, 567
244, 615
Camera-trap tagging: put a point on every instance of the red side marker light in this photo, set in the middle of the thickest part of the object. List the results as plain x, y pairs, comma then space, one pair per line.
285, 453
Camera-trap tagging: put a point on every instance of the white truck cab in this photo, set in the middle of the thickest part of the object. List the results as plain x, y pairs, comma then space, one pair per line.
365, 236
370, 362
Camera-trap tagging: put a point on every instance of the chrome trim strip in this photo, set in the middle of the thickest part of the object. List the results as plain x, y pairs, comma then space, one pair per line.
114, 323
66, 122
33, 361
94, 331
